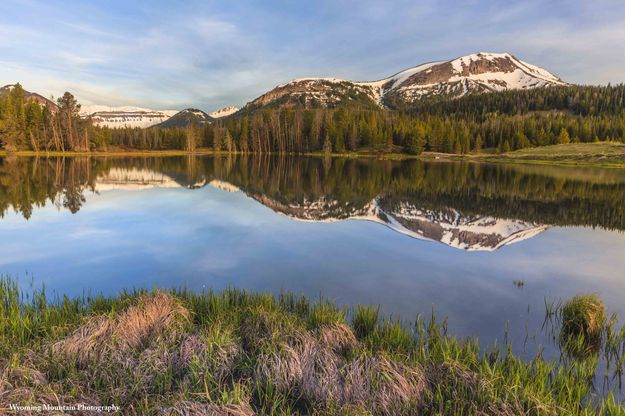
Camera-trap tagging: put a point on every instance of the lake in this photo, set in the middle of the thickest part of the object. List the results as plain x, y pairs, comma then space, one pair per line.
486, 245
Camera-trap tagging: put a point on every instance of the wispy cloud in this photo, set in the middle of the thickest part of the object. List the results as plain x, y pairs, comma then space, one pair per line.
210, 54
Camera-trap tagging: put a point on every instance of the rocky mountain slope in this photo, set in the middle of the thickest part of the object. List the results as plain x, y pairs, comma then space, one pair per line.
187, 117
115, 117
476, 73
224, 112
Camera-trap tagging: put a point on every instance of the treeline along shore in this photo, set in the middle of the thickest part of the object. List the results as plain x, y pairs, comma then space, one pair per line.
478, 123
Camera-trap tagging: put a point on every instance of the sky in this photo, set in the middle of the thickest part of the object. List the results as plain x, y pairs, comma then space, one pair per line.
209, 54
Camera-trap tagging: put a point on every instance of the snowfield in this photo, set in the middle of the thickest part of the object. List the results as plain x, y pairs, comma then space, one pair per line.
125, 116
226, 111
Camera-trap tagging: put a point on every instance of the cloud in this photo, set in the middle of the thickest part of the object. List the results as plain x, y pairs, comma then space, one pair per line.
211, 54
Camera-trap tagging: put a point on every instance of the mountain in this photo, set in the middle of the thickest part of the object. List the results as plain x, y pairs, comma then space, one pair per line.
124, 116
476, 73
32, 96
224, 112
187, 117
317, 93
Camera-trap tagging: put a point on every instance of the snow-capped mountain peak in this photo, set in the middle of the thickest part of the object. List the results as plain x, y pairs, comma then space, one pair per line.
479, 72
474, 73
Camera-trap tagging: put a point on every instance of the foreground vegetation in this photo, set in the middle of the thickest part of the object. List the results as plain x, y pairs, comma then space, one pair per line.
235, 353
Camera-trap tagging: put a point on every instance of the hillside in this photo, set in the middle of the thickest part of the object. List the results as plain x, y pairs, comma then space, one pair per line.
186, 118
31, 96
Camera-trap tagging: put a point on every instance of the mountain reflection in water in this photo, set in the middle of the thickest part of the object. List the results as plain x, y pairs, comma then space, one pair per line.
464, 205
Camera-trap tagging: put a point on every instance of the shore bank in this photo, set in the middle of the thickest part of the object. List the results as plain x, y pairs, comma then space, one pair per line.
236, 353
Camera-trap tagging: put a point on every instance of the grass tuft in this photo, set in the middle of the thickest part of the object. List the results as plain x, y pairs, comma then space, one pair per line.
365, 320
583, 320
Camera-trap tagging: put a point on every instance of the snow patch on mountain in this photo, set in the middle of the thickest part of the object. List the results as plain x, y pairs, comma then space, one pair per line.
125, 116
133, 179
223, 112
223, 186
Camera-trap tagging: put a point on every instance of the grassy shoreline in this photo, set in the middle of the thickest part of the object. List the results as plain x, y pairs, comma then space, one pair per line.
603, 154
236, 353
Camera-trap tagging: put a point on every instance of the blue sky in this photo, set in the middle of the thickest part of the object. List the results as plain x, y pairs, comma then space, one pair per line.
208, 54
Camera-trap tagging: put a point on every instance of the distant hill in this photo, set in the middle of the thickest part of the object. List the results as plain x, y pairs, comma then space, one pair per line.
31, 95
186, 118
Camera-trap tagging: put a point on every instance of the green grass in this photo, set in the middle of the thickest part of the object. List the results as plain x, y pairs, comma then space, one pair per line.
608, 154
238, 353
600, 154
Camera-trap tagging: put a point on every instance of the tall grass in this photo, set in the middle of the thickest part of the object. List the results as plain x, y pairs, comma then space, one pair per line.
241, 353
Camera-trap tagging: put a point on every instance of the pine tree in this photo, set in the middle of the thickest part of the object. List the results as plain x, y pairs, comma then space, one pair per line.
69, 121
563, 137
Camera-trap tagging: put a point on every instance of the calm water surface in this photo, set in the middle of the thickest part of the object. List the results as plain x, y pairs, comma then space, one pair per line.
484, 244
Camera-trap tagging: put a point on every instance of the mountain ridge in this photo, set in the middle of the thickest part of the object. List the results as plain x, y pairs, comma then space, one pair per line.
474, 73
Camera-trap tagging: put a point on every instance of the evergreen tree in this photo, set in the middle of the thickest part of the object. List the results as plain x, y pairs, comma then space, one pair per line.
563, 137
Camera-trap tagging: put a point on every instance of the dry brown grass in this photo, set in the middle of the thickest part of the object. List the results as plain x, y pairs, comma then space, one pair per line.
452, 373
188, 408
262, 327
214, 350
11, 375
314, 369
478, 391
387, 387
23, 385
153, 317
339, 337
